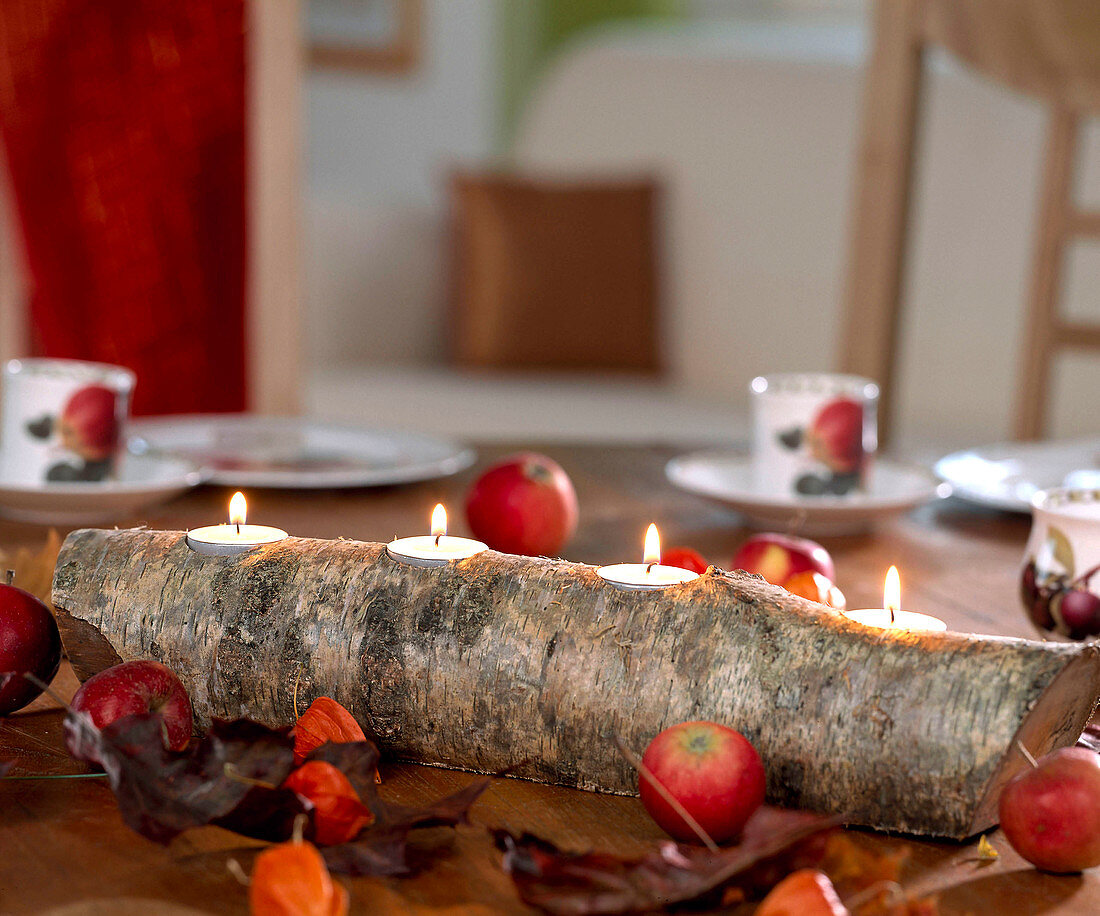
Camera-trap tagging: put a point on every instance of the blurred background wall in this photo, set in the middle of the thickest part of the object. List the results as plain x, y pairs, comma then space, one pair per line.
748, 112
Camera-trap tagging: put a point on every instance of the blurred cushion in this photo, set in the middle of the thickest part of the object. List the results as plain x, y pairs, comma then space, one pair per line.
554, 274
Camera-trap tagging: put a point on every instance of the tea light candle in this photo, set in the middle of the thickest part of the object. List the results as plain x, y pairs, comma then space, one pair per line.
891, 617
234, 538
649, 574
435, 549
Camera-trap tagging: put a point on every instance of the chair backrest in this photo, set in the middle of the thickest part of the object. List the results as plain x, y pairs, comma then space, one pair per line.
1047, 49
1044, 48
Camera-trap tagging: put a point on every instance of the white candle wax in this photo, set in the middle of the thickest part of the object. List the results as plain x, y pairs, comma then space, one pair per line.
423, 550
642, 576
234, 538
229, 540
903, 620
649, 574
435, 549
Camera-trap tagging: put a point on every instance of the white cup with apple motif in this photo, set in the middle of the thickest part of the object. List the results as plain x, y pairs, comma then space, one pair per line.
1060, 579
62, 420
815, 434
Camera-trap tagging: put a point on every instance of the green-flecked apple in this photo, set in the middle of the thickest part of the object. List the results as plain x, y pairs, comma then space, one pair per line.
1051, 811
712, 771
777, 557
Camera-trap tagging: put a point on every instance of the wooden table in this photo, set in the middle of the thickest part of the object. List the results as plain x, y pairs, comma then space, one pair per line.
62, 841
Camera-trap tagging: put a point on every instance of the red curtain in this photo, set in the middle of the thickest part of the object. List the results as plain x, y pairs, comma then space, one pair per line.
123, 126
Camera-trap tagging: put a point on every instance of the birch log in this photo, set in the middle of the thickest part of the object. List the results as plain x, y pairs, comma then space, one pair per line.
500, 659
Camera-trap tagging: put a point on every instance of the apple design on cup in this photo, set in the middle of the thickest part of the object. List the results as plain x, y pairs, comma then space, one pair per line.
834, 438
88, 427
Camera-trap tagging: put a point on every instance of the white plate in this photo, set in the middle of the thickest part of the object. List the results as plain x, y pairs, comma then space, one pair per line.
143, 481
284, 452
727, 477
1006, 475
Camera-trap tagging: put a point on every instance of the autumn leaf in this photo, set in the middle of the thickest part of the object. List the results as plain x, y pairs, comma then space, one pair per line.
1090, 737
34, 568
987, 852
381, 849
161, 793
872, 877
585, 884
854, 867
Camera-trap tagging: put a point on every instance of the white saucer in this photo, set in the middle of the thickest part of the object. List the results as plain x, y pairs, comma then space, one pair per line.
241, 450
143, 481
1006, 475
726, 476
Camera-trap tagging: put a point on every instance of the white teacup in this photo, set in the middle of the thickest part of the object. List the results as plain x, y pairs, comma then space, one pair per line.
815, 434
62, 420
1060, 579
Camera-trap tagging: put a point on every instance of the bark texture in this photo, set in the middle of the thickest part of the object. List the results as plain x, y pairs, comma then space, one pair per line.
499, 659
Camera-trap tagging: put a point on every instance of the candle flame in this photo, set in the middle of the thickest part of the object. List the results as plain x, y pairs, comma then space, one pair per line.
652, 546
237, 509
439, 521
891, 592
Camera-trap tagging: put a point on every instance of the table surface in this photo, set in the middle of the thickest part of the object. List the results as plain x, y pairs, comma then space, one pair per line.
62, 841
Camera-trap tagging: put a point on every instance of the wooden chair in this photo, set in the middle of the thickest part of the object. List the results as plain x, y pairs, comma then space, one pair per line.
274, 338
1048, 49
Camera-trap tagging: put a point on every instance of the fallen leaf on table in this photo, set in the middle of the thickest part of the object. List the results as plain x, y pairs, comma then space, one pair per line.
871, 877
161, 793
775, 842
987, 852
381, 849
358, 761
234, 778
1090, 737
34, 568
853, 867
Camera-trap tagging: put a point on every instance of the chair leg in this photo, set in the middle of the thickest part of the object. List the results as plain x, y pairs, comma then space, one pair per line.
881, 213
1040, 326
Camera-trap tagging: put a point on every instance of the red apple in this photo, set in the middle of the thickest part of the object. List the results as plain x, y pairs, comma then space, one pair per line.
685, 558
29, 642
89, 423
835, 435
777, 557
136, 687
525, 504
807, 892
713, 771
1051, 812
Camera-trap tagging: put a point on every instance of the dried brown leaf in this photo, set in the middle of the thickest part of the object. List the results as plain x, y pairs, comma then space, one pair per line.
34, 568
593, 883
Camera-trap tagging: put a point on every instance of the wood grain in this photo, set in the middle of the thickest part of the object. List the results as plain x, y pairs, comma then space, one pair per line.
64, 843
